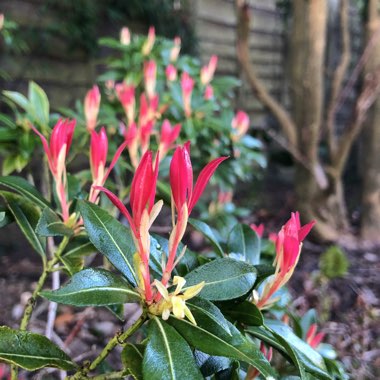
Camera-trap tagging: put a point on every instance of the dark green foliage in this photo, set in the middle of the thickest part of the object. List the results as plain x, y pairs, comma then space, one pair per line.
31, 351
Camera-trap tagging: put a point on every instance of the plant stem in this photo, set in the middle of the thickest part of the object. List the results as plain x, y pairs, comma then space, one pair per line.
52, 310
49, 267
32, 300
109, 376
117, 339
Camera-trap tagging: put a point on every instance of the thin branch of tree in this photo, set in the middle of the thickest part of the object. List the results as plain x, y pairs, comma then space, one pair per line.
286, 122
339, 74
242, 46
357, 70
369, 94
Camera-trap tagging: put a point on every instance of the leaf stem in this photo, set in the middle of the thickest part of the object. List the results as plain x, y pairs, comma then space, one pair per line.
32, 300
119, 338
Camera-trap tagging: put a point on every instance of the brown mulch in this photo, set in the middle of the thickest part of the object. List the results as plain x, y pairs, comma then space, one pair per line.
349, 307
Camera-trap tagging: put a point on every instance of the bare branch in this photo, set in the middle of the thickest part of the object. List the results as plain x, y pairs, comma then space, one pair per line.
358, 69
339, 74
287, 124
369, 94
317, 169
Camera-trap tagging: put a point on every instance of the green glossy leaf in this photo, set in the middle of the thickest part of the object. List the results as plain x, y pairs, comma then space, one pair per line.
155, 258
74, 186
50, 224
18, 99
232, 373
225, 279
267, 337
209, 314
26, 216
93, 287
6, 217
208, 338
206, 231
309, 318
243, 240
327, 351
336, 369
188, 262
303, 356
245, 312
291, 347
251, 142
226, 83
73, 259
7, 121
118, 311
31, 351
13, 162
39, 103
263, 271
132, 357
167, 355
79, 248
72, 264
209, 365
110, 237
23, 187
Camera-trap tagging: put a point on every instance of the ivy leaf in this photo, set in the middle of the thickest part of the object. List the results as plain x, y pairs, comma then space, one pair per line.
225, 279
132, 357
167, 355
50, 224
93, 287
206, 230
26, 216
244, 241
23, 187
110, 237
208, 338
31, 351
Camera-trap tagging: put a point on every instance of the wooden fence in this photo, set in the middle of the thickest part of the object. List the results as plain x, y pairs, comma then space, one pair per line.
64, 76
215, 24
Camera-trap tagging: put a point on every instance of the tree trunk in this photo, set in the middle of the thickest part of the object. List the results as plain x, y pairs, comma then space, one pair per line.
326, 206
370, 226
319, 189
320, 200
